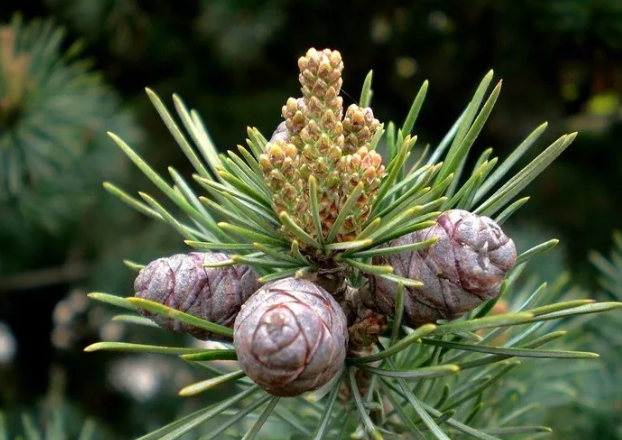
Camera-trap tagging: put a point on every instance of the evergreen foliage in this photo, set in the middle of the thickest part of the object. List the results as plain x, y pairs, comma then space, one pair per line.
428, 382
53, 418
53, 153
53, 113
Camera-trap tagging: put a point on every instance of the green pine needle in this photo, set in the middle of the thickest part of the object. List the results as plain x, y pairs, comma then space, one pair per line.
402, 280
536, 250
397, 316
280, 254
251, 235
113, 300
487, 322
180, 316
438, 433
369, 425
140, 348
195, 127
262, 261
322, 427
131, 201
415, 108
279, 274
366, 93
389, 250
510, 161
136, 267
219, 247
212, 355
345, 211
369, 268
297, 231
205, 416
419, 373
314, 208
516, 184
239, 415
507, 212
252, 433
199, 387
349, 245
400, 345
533, 353
134, 319
169, 218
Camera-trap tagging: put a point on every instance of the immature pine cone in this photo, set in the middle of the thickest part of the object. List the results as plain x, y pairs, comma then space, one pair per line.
464, 268
182, 283
291, 336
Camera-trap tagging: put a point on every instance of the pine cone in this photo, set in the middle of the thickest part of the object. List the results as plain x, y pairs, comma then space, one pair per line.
291, 336
281, 132
182, 283
464, 268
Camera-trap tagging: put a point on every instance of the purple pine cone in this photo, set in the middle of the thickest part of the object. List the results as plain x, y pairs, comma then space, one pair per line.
182, 283
464, 268
281, 133
291, 336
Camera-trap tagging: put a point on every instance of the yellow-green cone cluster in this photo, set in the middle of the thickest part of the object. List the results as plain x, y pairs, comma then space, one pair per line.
318, 140
281, 166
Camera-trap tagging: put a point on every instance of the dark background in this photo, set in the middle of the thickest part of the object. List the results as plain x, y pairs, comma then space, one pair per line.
235, 62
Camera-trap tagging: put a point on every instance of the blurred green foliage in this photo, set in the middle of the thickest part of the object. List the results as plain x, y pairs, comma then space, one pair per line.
234, 61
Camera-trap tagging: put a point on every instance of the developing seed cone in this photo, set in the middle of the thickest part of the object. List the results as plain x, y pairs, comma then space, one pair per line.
464, 268
291, 336
182, 283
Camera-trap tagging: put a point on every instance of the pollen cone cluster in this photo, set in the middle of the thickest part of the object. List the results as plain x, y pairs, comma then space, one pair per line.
316, 139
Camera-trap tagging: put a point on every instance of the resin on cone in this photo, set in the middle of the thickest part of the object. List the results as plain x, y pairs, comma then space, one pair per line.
464, 268
182, 283
290, 337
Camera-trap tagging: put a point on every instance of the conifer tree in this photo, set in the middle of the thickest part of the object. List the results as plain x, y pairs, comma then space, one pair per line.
375, 275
